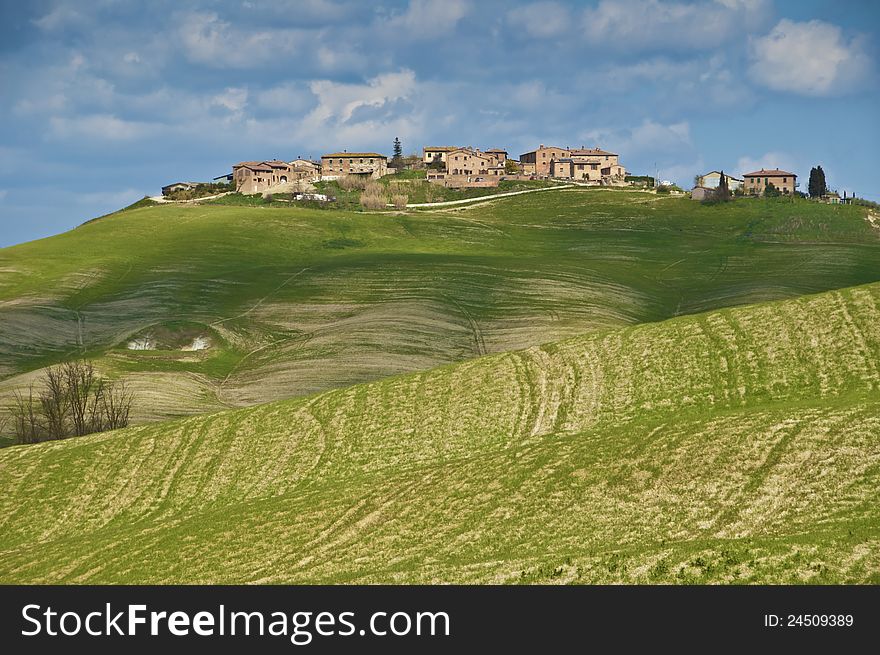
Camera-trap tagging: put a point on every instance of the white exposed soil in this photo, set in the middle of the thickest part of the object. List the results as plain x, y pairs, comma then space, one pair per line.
141, 343
199, 343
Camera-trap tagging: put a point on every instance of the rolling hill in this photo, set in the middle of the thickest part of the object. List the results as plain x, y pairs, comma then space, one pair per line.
736, 445
292, 301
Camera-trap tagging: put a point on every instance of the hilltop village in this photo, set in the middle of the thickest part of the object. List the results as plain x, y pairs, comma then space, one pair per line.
458, 167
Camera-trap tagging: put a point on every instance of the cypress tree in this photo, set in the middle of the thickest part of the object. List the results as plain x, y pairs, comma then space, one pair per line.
397, 153
817, 186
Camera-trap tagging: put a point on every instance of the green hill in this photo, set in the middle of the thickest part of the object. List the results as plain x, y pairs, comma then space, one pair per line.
293, 301
739, 445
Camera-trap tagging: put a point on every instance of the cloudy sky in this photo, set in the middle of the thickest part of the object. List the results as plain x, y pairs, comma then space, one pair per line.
103, 102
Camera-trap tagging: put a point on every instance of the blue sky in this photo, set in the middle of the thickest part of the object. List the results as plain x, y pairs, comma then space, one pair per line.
103, 102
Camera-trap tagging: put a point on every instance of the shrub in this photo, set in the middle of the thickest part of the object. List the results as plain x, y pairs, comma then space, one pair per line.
770, 191
373, 196
399, 200
664, 189
352, 182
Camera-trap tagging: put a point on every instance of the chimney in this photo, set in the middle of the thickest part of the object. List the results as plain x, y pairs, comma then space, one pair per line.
540, 146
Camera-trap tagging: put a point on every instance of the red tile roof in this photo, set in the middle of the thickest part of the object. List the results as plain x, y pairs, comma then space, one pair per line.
769, 172
592, 151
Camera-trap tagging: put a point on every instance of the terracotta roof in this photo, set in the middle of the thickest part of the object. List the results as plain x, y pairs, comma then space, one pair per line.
253, 165
771, 172
354, 154
470, 151
440, 148
496, 150
592, 151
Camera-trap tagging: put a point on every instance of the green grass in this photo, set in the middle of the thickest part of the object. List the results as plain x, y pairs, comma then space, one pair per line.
304, 300
735, 446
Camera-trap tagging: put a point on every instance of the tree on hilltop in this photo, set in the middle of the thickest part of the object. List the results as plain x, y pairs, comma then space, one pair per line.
817, 186
397, 154
722, 191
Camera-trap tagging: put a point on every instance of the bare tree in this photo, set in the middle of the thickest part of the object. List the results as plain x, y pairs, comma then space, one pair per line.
72, 402
25, 417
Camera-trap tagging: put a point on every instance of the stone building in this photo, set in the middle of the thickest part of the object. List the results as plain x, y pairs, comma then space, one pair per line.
464, 161
258, 176
756, 182
431, 154
338, 164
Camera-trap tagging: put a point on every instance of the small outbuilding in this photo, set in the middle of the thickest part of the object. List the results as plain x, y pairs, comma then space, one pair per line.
701, 193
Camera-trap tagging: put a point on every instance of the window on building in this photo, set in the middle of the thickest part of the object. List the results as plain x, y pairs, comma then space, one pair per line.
784, 180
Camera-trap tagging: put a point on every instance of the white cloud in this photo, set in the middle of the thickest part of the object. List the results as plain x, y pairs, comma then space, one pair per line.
3, 193
231, 99
337, 102
429, 18
769, 160
810, 58
131, 58
541, 19
639, 24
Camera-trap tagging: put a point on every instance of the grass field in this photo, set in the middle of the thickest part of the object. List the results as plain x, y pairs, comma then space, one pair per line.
738, 445
296, 301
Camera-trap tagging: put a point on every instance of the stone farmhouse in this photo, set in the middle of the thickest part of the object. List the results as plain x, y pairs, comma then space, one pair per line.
431, 154
259, 176
465, 161
468, 167
339, 164
537, 162
758, 181
583, 165
497, 154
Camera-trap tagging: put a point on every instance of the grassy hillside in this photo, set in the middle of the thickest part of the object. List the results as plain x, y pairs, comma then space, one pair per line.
739, 445
295, 301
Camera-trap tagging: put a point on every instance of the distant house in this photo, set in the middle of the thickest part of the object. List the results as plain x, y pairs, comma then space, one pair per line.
756, 182
465, 161
701, 193
338, 164
259, 176
498, 155
436, 153
832, 198
596, 165
712, 179
537, 162
562, 168
305, 165
584, 164
178, 186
